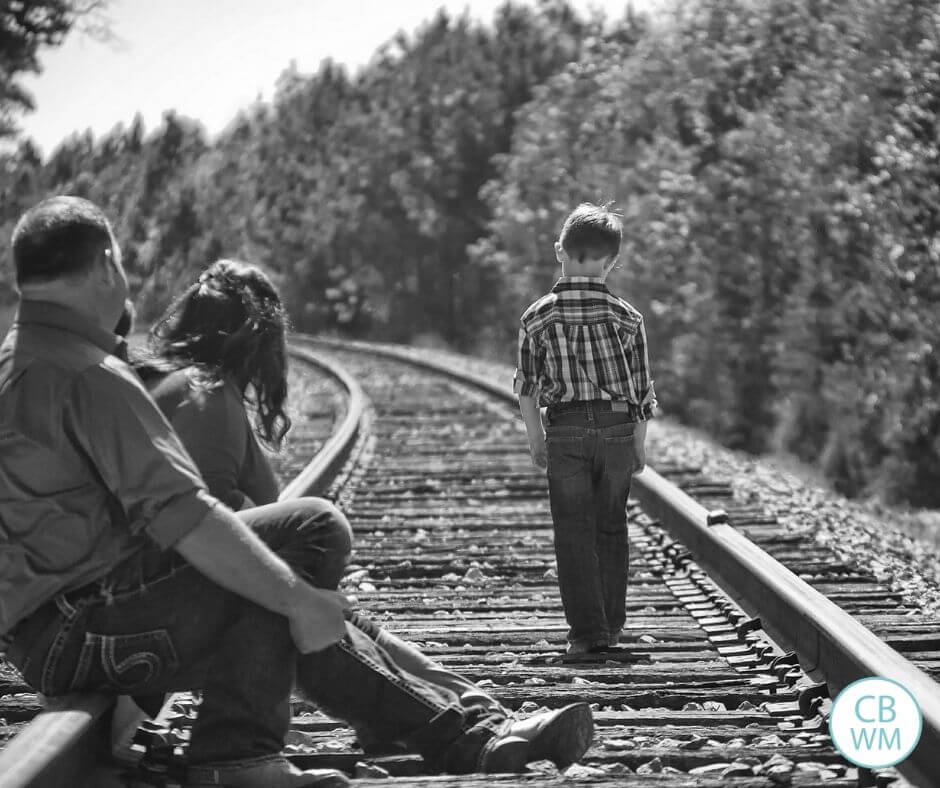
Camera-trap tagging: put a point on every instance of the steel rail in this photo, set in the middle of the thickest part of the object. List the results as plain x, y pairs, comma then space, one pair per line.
63, 740
319, 472
831, 645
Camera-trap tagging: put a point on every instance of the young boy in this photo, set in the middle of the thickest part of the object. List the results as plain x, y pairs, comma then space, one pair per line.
582, 355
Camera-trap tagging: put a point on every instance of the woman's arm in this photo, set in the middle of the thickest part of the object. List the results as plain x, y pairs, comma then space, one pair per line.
211, 424
257, 480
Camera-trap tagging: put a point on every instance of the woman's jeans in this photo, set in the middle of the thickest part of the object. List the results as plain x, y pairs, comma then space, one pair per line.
156, 625
591, 460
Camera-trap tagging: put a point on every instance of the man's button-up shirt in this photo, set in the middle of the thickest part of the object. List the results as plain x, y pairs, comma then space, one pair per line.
581, 342
88, 464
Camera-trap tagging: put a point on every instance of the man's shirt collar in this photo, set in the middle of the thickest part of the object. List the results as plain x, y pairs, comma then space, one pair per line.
46, 313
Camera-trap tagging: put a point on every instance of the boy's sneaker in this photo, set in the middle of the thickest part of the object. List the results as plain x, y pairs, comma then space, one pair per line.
580, 647
596, 652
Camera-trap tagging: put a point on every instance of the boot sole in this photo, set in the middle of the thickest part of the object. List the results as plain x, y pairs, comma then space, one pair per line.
566, 737
509, 756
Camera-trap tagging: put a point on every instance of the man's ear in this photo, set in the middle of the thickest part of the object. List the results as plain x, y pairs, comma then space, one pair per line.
105, 269
560, 254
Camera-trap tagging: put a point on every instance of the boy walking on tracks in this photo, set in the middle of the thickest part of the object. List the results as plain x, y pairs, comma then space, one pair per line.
582, 355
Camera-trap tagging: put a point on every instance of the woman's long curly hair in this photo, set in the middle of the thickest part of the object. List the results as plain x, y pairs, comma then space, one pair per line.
231, 323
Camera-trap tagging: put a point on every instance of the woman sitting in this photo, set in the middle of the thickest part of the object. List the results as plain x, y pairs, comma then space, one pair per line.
220, 351
219, 348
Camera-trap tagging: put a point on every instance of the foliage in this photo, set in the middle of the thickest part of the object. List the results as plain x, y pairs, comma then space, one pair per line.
26, 26
777, 166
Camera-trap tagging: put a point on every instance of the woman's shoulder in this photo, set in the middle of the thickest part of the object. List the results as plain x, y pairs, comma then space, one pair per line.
220, 398
188, 389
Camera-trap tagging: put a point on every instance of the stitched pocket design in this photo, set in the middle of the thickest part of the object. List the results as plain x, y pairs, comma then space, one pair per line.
126, 663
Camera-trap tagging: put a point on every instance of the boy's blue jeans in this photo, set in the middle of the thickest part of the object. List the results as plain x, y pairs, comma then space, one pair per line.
591, 460
157, 625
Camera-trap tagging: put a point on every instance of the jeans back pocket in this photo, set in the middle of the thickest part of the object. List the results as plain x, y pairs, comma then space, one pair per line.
565, 454
619, 455
125, 663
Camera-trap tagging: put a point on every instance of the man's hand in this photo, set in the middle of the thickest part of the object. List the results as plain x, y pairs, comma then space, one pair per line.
539, 454
316, 619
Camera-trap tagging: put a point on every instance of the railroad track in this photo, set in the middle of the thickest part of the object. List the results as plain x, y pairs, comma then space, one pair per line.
453, 550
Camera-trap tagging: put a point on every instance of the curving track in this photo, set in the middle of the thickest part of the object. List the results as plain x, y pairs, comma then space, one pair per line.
454, 552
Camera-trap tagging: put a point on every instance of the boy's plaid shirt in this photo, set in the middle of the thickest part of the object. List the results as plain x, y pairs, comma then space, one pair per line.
581, 342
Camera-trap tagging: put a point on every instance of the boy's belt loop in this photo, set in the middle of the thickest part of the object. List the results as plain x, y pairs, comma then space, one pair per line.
589, 407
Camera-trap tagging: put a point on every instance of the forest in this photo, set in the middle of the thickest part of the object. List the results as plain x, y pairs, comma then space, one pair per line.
776, 165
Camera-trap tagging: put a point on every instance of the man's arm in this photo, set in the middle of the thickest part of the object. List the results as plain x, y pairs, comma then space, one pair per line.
140, 459
529, 407
230, 554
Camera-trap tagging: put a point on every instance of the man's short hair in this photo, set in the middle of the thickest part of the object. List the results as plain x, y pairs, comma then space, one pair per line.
61, 236
591, 231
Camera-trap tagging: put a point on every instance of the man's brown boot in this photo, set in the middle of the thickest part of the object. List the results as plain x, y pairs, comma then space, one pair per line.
561, 736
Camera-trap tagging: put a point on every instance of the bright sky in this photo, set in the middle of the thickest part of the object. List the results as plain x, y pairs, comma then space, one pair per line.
208, 58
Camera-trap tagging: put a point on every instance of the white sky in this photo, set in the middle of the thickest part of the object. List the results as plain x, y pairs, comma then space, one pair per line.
208, 58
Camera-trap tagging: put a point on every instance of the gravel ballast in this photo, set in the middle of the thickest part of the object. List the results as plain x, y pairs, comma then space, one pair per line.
874, 536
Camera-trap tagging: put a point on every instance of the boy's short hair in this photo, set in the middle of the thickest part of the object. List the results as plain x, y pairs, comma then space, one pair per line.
591, 231
61, 236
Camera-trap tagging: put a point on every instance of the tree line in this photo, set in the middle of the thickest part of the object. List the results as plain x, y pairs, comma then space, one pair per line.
776, 165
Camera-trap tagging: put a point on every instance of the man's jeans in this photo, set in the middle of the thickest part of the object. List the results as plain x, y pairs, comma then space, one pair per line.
157, 625
591, 460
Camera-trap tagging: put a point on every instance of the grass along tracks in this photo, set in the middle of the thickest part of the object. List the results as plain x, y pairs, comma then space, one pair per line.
454, 551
